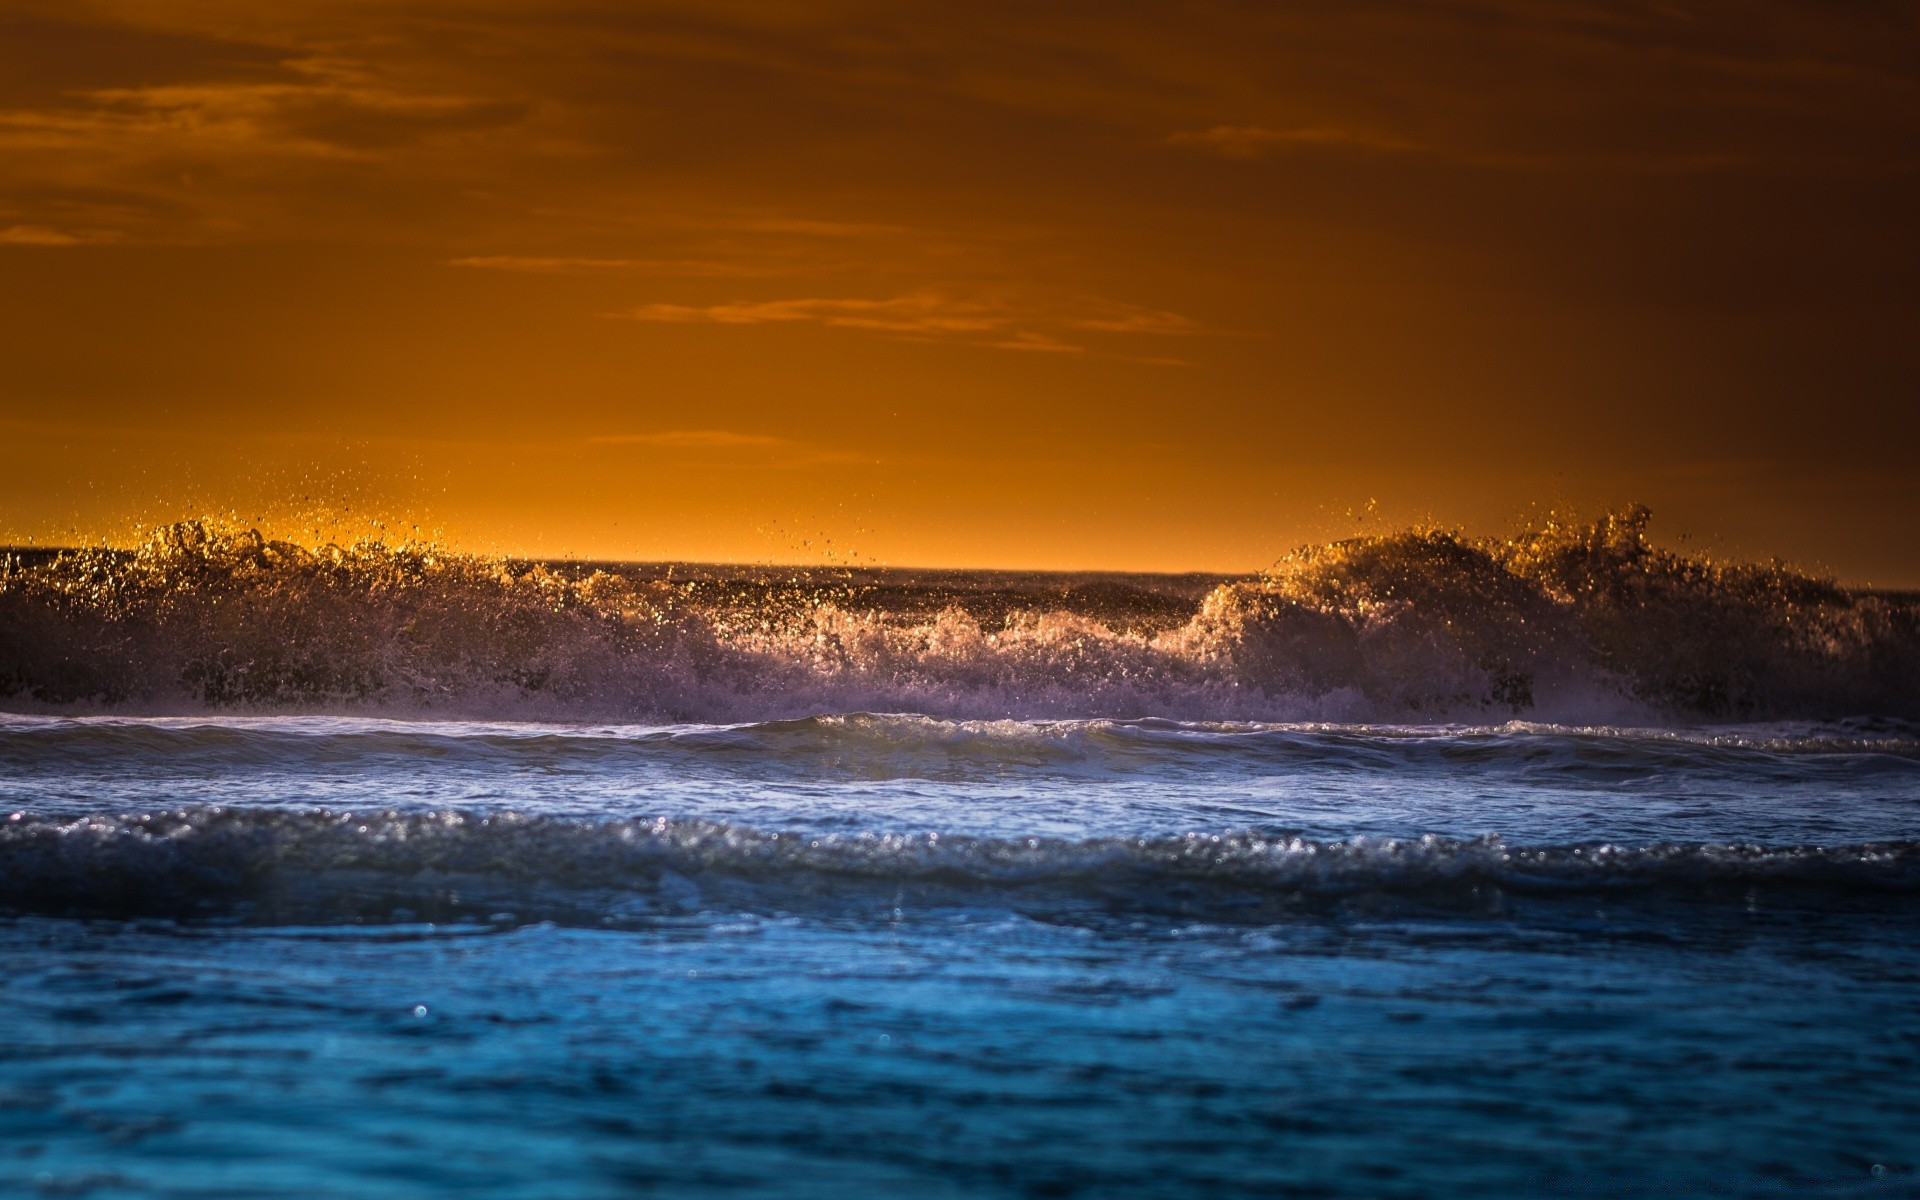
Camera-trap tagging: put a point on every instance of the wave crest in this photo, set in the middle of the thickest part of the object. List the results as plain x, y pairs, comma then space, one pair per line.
1423, 624
329, 864
1429, 621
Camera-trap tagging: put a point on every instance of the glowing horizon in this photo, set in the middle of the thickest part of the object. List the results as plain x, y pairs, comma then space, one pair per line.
963, 286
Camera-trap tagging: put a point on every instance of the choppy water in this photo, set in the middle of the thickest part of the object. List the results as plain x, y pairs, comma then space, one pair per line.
891, 955
1561, 866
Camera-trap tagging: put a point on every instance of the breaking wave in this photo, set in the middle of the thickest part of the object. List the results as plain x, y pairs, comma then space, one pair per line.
328, 865
1586, 622
886, 746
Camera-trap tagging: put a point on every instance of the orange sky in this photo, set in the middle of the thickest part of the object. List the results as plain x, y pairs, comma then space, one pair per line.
1078, 285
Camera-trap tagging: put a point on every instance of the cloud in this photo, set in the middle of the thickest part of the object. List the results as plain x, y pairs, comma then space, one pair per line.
914, 313
335, 110
39, 235
537, 265
1254, 141
807, 227
1111, 316
933, 314
620, 238
1251, 141
212, 159
1039, 342
491, 107
694, 439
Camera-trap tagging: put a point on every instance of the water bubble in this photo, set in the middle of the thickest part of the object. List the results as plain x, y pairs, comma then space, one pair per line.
419, 1010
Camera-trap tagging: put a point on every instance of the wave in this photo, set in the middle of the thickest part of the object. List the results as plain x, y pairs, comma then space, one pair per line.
1578, 622
874, 746
329, 865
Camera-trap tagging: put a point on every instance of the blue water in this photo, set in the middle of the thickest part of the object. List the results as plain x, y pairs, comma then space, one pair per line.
874, 955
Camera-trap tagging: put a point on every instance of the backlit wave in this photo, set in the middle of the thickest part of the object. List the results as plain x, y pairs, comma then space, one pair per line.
1580, 622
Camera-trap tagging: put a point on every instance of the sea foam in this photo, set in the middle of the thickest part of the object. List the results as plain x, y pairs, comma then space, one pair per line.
1565, 621
319, 865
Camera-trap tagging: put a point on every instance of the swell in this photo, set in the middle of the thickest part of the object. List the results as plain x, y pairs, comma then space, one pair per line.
328, 865
1563, 622
908, 746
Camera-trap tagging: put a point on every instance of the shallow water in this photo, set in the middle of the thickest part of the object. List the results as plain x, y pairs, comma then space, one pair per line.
882, 955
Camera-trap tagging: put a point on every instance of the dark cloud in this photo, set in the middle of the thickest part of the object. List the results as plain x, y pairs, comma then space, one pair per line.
45, 61
355, 123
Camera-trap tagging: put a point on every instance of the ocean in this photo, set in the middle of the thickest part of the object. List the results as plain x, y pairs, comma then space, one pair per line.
1418, 867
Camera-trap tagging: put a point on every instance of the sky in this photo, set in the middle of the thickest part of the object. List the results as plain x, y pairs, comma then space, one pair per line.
1077, 285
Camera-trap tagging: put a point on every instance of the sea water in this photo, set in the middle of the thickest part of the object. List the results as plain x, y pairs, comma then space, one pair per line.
356, 875
883, 955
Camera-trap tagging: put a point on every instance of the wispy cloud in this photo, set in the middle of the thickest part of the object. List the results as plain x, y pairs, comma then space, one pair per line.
44, 235
204, 160
914, 313
932, 314
1256, 141
722, 244
537, 265
806, 226
1037, 342
331, 110
694, 439
1251, 141
1111, 316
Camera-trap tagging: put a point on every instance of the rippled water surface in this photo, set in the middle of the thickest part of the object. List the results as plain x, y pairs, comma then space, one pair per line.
1782, 783
889, 955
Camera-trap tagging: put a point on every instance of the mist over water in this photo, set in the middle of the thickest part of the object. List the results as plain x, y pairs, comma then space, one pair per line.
1418, 866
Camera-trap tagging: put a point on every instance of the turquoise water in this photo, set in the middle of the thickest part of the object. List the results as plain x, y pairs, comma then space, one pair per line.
889, 956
